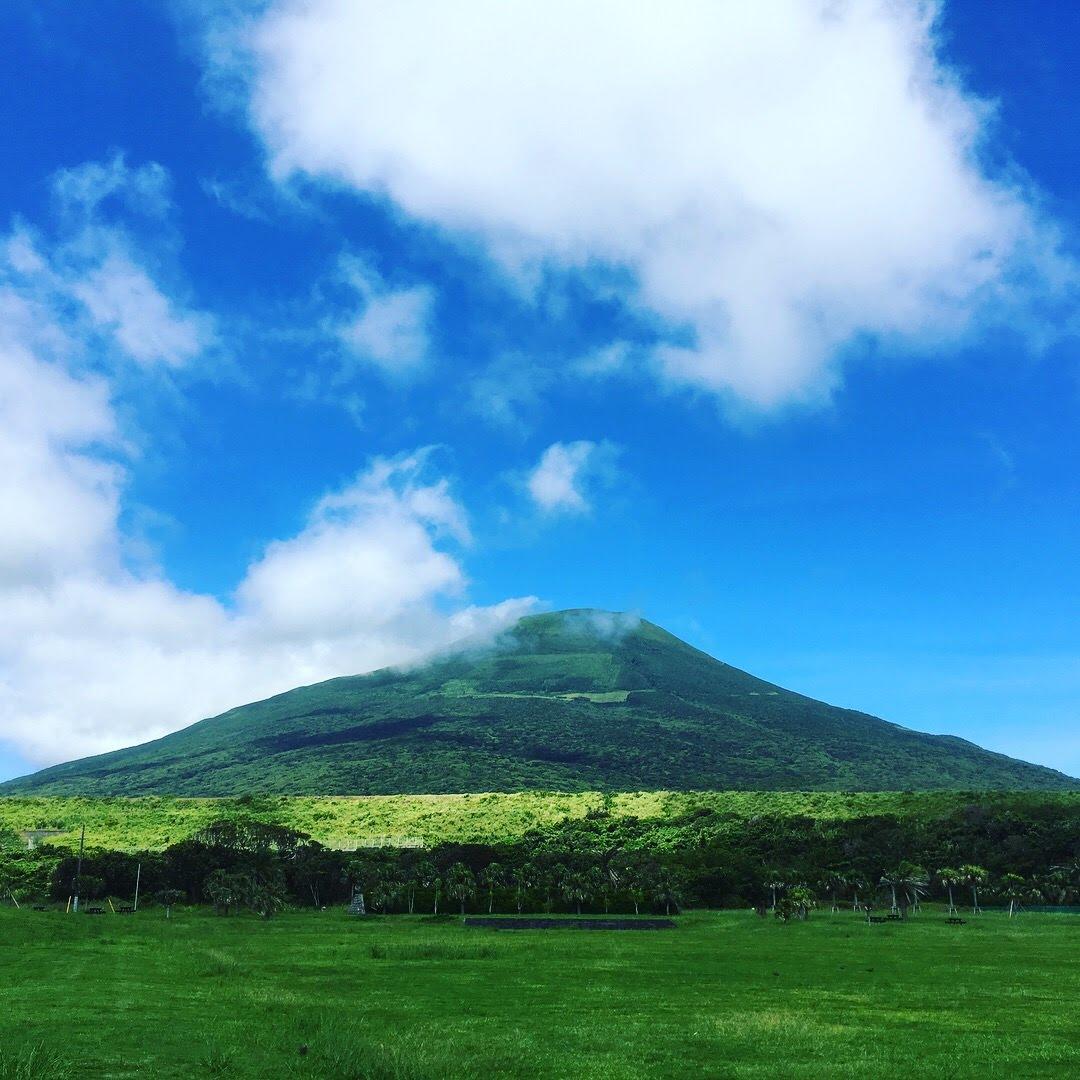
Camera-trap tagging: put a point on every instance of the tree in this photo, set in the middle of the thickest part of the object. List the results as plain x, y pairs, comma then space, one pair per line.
670, 883
225, 890
634, 874
913, 881
492, 877
316, 870
608, 885
367, 876
92, 887
973, 876
891, 881
414, 875
1014, 889
384, 888
460, 883
266, 894
1063, 882
796, 903
637, 887
832, 883
574, 886
167, 898
859, 886
428, 877
7, 879
950, 878
775, 881
522, 881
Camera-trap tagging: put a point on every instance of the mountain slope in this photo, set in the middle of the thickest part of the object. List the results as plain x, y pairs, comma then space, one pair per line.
575, 700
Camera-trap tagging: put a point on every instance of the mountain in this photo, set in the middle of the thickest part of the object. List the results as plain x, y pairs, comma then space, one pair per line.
574, 700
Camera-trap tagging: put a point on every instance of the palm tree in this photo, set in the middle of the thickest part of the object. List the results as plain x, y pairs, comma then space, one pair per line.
832, 883
523, 881
914, 881
630, 872
775, 880
636, 881
385, 887
492, 877
1064, 882
669, 888
609, 877
576, 887
428, 877
973, 876
1014, 889
892, 881
950, 878
460, 883
415, 873
859, 884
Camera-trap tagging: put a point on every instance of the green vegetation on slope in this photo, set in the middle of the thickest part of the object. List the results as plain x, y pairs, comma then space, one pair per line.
151, 823
574, 701
727, 850
317, 994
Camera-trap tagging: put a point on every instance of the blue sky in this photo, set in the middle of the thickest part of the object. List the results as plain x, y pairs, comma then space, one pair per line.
332, 335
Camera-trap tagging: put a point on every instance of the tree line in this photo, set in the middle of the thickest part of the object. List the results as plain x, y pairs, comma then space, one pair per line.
602, 863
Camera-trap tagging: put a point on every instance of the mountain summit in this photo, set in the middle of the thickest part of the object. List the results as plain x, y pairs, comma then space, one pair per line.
572, 700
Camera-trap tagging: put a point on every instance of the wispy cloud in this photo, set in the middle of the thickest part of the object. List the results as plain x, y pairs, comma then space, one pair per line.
391, 328
563, 478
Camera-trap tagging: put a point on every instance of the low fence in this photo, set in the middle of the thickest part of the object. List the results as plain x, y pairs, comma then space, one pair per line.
362, 843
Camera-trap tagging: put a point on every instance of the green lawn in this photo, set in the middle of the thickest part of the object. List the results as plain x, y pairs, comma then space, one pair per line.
724, 994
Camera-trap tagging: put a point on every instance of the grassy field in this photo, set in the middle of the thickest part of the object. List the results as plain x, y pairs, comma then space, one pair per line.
152, 822
724, 994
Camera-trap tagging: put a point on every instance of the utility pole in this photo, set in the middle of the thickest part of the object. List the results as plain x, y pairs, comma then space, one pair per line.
138, 875
78, 867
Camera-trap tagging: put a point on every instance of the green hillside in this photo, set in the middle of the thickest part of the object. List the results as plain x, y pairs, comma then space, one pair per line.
153, 822
570, 701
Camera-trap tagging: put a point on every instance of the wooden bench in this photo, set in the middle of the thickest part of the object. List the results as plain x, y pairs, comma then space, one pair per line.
95, 911
875, 918
953, 920
125, 909
895, 916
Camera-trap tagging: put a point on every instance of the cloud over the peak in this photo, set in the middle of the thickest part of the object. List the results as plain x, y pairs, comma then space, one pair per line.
783, 179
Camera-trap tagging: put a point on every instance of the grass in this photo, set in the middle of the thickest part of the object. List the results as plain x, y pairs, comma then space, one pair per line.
724, 994
154, 822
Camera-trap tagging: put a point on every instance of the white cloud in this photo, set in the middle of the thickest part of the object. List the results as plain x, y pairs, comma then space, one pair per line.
557, 483
367, 557
391, 330
81, 189
508, 392
122, 298
95, 280
783, 178
94, 654
59, 504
